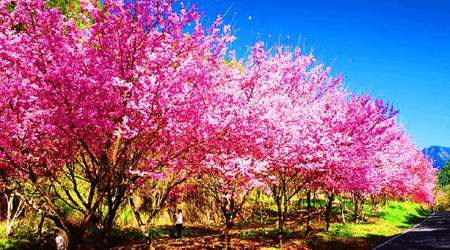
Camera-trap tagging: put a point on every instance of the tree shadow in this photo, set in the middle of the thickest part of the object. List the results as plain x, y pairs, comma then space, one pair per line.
29, 242
414, 219
423, 212
375, 239
338, 243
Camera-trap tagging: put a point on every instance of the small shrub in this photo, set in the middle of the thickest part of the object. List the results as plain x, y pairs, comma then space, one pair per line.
246, 233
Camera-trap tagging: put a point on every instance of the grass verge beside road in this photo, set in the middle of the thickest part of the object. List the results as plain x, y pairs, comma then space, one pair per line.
397, 217
390, 221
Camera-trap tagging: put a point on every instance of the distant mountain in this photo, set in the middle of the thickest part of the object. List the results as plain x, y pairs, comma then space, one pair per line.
440, 155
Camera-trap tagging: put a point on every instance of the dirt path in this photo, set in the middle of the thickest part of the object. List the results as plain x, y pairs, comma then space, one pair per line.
432, 233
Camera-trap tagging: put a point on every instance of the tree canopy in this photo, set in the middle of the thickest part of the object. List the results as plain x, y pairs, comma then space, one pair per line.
91, 112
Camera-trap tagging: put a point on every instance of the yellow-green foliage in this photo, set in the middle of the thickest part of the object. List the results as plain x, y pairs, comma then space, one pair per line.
394, 219
126, 218
67, 7
234, 63
71, 9
442, 198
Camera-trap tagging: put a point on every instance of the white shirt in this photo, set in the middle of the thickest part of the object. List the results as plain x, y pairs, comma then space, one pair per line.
179, 218
60, 245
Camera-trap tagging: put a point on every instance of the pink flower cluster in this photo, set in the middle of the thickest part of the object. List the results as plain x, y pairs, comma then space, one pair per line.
132, 89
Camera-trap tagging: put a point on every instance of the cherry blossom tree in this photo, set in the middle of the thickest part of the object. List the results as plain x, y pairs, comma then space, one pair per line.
83, 107
229, 180
288, 87
356, 136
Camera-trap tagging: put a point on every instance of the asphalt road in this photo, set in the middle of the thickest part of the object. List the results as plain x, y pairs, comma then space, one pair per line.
431, 233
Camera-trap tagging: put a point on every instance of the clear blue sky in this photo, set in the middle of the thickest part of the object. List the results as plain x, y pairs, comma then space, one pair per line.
398, 51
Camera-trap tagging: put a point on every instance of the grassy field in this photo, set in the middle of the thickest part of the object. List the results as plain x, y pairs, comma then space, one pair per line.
251, 234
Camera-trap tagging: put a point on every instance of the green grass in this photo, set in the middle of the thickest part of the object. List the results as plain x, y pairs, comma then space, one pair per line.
390, 221
24, 236
404, 214
393, 220
18, 243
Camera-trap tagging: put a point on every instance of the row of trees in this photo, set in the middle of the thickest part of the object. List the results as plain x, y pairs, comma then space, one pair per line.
127, 97
442, 193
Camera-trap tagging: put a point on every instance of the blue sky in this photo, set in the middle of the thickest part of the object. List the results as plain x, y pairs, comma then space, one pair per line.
398, 51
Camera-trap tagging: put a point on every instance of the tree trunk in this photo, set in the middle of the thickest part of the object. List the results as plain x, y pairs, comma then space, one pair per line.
229, 212
75, 238
342, 206
263, 224
361, 210
308, 222
137, 216
329, 205
314, 199
228, 225
41, 223
11, 215
356, 207
374, 205
385, 201
115, 198
10, 203
280, 222
150, 243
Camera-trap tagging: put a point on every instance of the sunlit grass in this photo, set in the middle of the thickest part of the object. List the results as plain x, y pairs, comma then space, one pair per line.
397, 217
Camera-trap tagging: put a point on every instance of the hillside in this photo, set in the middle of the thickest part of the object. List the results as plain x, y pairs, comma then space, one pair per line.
440, 155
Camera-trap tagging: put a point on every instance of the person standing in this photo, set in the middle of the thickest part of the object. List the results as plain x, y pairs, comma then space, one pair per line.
61, 240
179, 223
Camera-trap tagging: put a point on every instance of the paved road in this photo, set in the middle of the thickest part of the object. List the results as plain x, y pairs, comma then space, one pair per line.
432, 233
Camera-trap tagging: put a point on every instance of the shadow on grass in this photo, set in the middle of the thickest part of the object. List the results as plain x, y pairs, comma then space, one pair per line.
345, 242
424, 212
374, 239
21, 243
330, 244
414, 219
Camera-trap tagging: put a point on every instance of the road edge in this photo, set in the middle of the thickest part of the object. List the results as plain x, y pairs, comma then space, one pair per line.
400, 234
